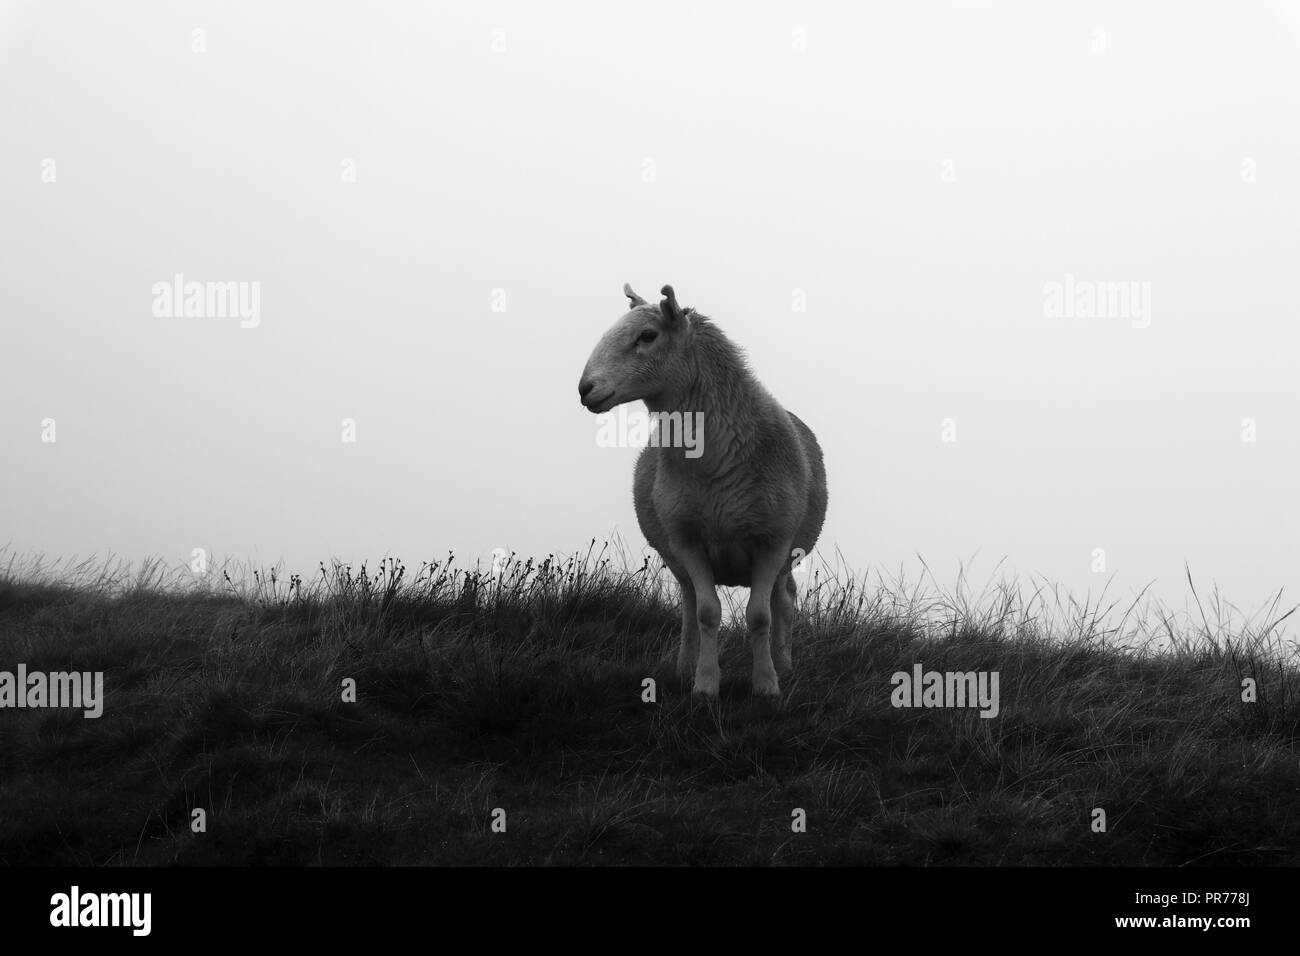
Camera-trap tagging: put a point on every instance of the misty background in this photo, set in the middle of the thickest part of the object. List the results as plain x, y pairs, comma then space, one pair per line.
440, 204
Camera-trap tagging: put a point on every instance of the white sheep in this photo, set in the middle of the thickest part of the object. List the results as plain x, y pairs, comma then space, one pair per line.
733, 512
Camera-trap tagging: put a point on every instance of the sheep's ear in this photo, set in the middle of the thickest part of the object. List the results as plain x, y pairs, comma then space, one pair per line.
669, 307
632, 296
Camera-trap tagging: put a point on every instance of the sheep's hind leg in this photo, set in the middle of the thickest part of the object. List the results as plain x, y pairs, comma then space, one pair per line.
689, 649
783, 595
758, 616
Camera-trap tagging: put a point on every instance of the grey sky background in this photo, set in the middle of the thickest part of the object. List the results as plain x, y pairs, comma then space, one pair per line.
918, 171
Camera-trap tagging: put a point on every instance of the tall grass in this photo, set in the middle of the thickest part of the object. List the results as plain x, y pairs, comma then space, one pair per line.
522, 686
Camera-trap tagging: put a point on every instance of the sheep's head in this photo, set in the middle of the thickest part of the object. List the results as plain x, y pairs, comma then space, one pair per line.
640, 357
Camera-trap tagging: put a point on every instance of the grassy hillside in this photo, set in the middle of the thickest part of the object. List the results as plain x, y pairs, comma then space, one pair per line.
524, 693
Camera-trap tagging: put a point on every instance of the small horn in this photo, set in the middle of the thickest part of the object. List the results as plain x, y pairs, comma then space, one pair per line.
671, 310
635, 299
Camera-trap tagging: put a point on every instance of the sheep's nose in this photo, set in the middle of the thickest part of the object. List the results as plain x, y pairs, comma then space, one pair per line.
585, 387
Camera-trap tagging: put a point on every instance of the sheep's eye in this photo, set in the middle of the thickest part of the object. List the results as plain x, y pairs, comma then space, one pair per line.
648, 336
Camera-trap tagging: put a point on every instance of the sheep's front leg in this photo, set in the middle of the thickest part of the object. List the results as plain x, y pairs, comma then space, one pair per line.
758, 616
708, 616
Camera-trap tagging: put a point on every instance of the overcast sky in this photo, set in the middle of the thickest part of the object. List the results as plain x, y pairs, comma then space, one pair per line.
437, 206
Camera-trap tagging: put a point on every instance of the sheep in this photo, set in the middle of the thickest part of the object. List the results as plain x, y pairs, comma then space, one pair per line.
735, 513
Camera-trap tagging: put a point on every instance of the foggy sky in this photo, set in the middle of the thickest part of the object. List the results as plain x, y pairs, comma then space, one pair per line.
439, 204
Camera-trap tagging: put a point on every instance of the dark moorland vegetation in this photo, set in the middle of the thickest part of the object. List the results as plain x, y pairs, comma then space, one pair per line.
523, 691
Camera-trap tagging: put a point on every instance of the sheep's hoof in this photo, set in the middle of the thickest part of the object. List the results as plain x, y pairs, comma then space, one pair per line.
766, 686
705, 688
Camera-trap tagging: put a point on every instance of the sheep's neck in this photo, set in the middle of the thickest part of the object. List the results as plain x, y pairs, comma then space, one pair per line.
721, 389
